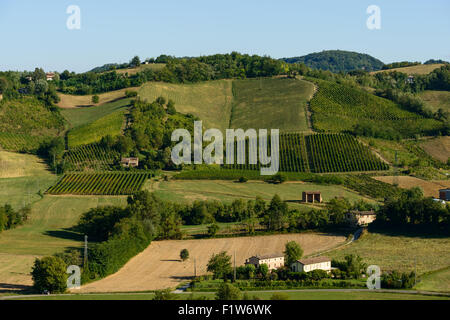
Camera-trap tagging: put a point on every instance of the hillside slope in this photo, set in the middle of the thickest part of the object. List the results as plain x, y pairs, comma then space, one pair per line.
340, 108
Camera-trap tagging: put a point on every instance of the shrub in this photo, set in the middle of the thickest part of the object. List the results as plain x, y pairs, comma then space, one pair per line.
95, 99
279, 296
49, 273
228, 292
243, 179
184, 254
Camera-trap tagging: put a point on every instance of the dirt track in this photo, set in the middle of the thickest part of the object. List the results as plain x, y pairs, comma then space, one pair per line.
159, 267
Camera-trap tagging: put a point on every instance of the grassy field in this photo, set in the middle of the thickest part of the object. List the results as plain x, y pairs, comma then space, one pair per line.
436, 99
69, 101
111, 124
44, 233
438, 148
82, 116
210, 101
419, 69
293, 295
13, 165
399, 252
271, 104
438, 281
430, 188
190, 190
159, 266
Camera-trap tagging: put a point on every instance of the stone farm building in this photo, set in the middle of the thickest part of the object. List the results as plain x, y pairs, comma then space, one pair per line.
444, 194
307, 265
273, 261
130, 162
312, 196
360, 218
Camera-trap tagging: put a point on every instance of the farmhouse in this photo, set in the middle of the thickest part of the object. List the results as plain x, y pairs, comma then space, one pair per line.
312, 196
307, 265
360, 218
130, 162
273, 261
50, 76
444, 194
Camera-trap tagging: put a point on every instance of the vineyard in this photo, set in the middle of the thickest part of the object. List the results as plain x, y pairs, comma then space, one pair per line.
112, 183
338, 108
91, 156
20, 142
340, 153
320, 153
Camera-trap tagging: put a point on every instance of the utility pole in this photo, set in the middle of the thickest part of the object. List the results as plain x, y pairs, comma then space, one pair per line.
195, 269
85, 251
415, 271
234, 265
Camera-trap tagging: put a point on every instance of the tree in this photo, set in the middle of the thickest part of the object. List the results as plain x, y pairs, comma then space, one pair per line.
228, 292
292, 252
95, 99
165, 294
135, 62
184, 254
219, 265
170, 108
212, 229
276, 213
49, 273
263, 270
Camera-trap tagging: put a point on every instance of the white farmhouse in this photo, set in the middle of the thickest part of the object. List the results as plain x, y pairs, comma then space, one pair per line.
273, 261
307, 265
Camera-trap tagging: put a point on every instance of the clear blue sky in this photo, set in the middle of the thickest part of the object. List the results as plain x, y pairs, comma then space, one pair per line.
34, 33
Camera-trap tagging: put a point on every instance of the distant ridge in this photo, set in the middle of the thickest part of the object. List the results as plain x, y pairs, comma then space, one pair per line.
338, 61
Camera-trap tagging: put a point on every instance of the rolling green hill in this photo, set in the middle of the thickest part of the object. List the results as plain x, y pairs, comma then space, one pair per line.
210, 101
93, 132
26, 122
83, 116
338, 61
271, 104
339, 108
29, 116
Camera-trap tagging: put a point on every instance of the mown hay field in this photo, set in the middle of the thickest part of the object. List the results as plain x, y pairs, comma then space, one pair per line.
271, 104
159, 265
210, 101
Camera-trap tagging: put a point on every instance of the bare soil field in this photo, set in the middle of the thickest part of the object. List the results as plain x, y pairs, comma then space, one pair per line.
159, 265
430, 188
438, 148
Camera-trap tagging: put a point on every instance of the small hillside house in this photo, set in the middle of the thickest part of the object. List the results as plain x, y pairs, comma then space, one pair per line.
312, 196
273, 261
307, 265
130, 162
360, 218
444, 194
50, 76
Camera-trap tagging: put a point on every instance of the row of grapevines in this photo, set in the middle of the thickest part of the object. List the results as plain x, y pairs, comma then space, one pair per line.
105, 183
91, 156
